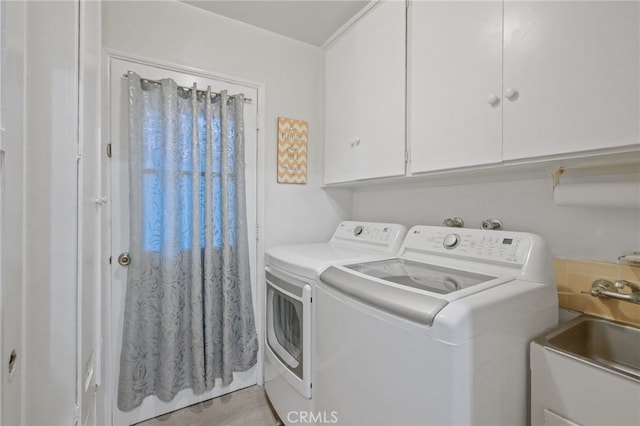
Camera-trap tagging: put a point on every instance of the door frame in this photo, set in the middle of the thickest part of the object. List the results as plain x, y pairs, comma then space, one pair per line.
106, 378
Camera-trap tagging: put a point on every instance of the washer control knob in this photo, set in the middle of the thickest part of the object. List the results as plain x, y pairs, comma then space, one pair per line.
358, 230
451, 241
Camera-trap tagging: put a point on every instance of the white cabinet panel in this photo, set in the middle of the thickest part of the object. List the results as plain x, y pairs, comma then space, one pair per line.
340, 100
455, 74
381, 91
365, 98
579, 393
574, 68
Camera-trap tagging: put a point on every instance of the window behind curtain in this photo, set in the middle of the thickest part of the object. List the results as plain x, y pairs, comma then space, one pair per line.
154, 172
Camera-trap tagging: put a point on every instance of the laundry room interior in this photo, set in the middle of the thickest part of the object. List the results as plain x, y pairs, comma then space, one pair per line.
385, 186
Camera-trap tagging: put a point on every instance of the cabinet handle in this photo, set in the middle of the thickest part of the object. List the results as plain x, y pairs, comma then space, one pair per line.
511, 94
357, 142
493, 100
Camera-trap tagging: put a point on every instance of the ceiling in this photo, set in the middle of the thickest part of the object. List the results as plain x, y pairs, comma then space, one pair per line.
310, 21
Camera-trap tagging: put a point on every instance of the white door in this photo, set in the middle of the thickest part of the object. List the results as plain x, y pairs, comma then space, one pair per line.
152, 406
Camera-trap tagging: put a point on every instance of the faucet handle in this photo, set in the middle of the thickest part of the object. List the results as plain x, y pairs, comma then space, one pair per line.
491, 224
453, 222
635, 288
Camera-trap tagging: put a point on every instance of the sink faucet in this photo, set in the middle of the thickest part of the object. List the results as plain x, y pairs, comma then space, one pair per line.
635, 288
605, 288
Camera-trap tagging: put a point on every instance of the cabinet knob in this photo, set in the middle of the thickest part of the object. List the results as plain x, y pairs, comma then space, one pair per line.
493, 100
511, 94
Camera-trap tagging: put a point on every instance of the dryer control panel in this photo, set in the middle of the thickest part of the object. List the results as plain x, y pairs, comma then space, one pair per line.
501, 246
382, 237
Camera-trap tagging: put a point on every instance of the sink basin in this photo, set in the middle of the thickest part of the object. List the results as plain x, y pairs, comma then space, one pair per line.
602, 343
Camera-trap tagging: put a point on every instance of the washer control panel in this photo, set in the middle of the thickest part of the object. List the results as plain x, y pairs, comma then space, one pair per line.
501, 246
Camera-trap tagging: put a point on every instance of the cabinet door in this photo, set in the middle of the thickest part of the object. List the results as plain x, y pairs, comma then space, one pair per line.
340, 110
455, 84
365, 97
380, 91
573, 70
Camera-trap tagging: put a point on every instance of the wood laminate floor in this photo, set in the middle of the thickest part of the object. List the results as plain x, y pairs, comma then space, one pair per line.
245, 407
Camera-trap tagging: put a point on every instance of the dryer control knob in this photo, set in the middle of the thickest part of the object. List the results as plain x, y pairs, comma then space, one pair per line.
451, 241
358, 230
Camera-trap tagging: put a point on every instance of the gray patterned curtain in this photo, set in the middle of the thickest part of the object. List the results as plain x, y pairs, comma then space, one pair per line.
188, 316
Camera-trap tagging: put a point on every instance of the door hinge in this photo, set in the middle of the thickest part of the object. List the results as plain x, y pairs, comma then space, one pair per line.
109, 150
406, 156
77, 412
257, 232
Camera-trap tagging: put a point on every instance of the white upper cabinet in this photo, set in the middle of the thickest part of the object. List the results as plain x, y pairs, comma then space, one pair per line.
571, 69
455, 84
365, 97
489, 82
499, 81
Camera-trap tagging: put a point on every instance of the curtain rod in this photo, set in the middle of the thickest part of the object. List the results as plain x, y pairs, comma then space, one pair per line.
247, 100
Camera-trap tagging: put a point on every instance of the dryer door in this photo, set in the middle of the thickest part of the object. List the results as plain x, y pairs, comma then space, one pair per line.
288, 328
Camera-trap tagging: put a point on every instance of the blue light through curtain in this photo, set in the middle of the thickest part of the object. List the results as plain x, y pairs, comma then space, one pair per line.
188, 310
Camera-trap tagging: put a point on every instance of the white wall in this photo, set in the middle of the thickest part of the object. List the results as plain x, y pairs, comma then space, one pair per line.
291, 72
589, 233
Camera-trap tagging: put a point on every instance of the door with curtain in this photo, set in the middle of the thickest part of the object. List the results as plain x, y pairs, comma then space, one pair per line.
152, 406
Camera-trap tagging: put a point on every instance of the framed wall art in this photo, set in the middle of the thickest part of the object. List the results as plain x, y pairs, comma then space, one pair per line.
292, 150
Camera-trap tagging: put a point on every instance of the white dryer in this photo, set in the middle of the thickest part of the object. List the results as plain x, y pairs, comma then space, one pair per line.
436, 336
291, 275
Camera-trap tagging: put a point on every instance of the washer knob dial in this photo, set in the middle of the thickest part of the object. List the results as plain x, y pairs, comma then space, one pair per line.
358, 230
451, 241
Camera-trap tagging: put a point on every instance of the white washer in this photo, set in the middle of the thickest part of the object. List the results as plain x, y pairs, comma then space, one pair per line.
436, 336
291, 275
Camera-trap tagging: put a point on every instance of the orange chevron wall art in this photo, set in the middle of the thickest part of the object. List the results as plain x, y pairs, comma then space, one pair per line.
292, 150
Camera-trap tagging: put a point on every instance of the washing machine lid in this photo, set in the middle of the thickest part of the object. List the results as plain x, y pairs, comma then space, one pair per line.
419, 275
414, 291
417, 307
